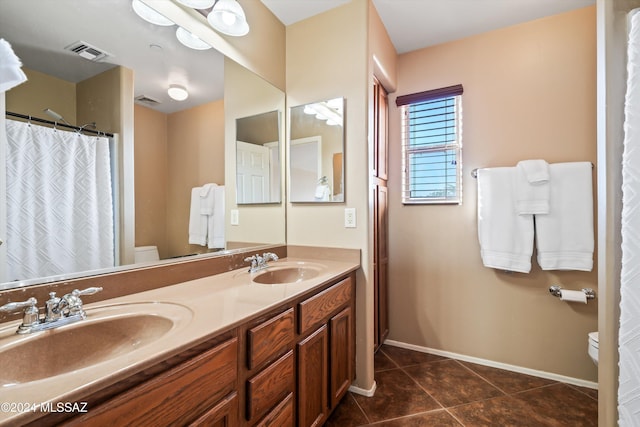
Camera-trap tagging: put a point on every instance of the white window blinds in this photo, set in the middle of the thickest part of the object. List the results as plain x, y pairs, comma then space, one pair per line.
431, 146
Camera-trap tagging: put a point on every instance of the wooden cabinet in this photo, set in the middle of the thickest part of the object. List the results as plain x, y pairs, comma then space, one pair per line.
224, 414
379, 199
284, 368
176, 397
325, 357
341, 357
313, 378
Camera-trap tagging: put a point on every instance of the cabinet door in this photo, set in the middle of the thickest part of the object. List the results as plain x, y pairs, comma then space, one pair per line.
313, 379
340, 343
224, 414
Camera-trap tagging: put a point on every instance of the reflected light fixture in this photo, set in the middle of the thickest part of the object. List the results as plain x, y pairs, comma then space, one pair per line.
189, 39
149, 14
228, 18
177, 92
197, 4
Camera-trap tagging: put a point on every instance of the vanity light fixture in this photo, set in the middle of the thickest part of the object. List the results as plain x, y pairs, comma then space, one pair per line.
150, 15
331, 111
227, 17
177, 92
189, 39
198, 4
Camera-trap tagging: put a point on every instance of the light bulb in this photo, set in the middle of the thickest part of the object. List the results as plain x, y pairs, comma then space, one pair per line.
228, 18
177, 92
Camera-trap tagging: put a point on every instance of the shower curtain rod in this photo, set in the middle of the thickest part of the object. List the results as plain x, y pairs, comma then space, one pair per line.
57, 124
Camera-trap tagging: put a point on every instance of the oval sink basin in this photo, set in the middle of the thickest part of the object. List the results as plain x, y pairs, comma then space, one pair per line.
286, 275
108, 332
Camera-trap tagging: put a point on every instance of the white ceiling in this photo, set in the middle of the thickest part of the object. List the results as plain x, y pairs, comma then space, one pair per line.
40, 29
414, 24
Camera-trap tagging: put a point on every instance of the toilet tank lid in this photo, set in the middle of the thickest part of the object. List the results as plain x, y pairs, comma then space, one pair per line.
593, 336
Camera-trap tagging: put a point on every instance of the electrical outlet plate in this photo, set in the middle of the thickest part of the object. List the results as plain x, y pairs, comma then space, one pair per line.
235, 217
350, 217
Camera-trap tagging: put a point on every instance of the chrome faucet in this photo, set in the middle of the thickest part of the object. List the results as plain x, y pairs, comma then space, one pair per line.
260, 262
58, 311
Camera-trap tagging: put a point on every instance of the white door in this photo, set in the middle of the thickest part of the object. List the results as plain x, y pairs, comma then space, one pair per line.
252, 173
305, 168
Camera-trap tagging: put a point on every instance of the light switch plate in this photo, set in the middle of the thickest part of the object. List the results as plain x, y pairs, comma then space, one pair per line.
349, 217
235, 217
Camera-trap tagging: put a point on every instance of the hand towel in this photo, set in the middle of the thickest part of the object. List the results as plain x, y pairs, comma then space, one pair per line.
565, 236
506, 238
207, 199
11, 74
532, 187
197, 221
215, 222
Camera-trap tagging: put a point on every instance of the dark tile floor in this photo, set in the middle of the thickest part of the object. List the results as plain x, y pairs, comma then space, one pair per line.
419, 389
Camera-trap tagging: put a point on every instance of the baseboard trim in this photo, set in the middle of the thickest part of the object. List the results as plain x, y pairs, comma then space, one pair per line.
493, 364
363, 391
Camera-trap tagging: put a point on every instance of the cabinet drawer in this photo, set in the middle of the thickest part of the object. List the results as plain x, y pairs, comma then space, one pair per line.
270, 339
224, 414
174, 397
281, 416
270, 386
316, 309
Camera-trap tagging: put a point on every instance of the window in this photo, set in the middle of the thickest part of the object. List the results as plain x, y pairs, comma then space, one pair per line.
432, 146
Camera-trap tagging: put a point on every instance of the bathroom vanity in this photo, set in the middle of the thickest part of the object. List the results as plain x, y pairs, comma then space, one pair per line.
239, 352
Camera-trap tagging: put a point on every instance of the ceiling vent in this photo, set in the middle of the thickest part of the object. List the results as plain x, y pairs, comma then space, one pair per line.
144, 99
86, 51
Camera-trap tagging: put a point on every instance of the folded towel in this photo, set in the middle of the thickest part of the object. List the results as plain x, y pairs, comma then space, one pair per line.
532, 187
197, 221
564, 237
215, 222
11, 74
506, 239
207, 199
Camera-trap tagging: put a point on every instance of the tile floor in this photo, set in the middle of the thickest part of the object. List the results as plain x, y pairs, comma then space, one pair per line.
419, 389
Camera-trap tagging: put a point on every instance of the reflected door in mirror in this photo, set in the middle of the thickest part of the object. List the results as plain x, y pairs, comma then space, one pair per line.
253, 172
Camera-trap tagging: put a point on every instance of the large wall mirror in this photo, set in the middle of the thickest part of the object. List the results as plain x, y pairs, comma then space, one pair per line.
174, 147
316, 148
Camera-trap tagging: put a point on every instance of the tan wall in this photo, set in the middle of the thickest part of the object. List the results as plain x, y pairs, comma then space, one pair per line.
530, 92
195, 139
173, 154
151, 178
42, 91
245, 95
98, 100
336, 66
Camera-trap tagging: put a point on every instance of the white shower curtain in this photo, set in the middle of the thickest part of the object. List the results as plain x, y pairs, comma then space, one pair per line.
629, 338
59, 202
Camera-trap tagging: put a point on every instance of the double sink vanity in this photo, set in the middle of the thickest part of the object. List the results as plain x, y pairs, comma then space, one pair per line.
270, 347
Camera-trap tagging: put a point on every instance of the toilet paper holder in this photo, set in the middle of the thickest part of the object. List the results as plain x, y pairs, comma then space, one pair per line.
555, 291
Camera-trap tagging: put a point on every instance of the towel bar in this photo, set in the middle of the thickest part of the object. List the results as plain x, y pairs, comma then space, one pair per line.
474, 172
555, 291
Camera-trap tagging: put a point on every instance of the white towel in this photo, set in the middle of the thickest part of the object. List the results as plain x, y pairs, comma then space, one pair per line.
564, 237
11, 74
506, 238
207, 199
215, 222
532, 187
197, 222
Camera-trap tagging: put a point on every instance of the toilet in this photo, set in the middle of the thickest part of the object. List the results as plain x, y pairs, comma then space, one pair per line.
145, 254
593, 346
